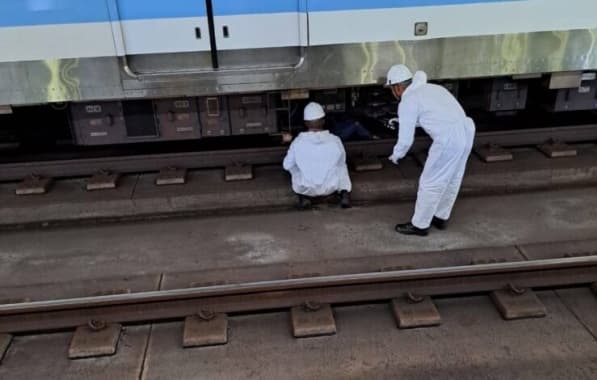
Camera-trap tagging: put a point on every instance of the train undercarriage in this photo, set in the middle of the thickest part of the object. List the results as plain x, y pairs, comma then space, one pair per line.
354, 113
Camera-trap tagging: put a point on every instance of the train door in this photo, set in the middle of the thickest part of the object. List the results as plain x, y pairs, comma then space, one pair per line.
258, 33
162, 36
201, 36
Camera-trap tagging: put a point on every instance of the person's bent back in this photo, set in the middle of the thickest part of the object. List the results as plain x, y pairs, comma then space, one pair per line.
316, 161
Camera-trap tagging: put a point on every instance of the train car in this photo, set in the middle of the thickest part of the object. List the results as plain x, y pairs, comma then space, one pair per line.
140, 70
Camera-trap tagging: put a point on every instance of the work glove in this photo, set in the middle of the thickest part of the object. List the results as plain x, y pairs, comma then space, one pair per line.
394, 159
392, 123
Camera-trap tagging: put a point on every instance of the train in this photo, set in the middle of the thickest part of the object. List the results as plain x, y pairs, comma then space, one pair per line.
154, 70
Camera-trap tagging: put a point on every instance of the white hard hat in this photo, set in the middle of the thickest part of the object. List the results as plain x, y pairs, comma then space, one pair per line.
398, 74
313, 111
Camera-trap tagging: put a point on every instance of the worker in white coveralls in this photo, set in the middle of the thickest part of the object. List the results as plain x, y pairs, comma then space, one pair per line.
433, 108
316, 161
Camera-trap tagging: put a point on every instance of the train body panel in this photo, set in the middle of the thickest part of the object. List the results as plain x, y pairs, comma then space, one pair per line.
43, 42
147, 26
69, 50
452, 19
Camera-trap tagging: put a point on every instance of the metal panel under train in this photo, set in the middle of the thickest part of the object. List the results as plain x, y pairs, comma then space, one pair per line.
213, 112
332, 100
98, 123
177, 119
252, 114
577, 99
507, 95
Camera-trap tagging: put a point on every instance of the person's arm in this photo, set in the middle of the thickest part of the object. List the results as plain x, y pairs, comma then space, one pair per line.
408, 114
344, 182
290, 159
342, 159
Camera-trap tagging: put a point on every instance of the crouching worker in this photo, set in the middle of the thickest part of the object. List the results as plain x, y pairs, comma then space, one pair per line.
316, 161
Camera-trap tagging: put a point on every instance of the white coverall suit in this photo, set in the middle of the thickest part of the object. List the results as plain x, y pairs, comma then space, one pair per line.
435, 109
317, 164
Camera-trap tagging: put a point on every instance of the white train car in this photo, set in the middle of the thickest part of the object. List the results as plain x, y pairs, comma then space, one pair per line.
113, 50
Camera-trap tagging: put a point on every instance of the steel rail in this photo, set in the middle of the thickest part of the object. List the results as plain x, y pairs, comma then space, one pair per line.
267, 295
264, 156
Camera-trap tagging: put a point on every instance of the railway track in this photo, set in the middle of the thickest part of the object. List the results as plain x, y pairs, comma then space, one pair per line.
417, 286
263, 156
278, 294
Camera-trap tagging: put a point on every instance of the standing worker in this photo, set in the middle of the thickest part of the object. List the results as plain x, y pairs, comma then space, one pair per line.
434, 109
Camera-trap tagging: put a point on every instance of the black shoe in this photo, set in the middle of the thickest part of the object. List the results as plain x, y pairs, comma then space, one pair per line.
345, 199
409, 229
440, 224
304, 203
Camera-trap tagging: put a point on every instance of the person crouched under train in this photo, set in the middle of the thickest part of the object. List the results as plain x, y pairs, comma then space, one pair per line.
316, 161
350, 130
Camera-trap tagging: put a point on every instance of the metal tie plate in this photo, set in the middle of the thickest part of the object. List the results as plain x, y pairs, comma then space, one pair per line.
5, 340
523, 303
88, 342
366, 164
238, 173
33, 185
411, 313
171, 176
102, 180
312, 321
205, 330
493, 153
558, 149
